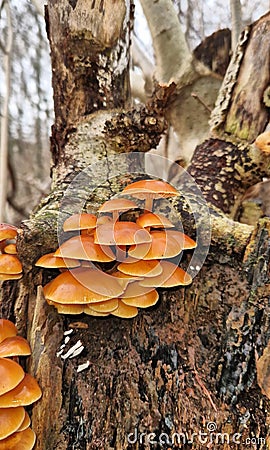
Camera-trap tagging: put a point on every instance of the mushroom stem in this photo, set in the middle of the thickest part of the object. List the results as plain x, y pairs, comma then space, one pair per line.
113, 268
148, 203
118, 250
120, 254
115, 215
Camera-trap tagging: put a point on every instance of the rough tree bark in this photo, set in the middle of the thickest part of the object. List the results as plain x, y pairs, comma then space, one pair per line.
191, 360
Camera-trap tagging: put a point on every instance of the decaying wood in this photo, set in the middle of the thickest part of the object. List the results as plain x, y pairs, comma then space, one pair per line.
190, 360
214, 51
90, 60
212, 159
248, 322
240, 109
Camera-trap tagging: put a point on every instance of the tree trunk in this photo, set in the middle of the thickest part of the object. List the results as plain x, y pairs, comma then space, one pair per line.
186, 369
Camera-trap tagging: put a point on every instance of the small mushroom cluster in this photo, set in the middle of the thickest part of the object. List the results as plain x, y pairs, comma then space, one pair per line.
17, 389
10, 265
113, 266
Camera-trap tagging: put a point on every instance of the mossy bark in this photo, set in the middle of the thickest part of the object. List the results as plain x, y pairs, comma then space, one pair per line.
190, 360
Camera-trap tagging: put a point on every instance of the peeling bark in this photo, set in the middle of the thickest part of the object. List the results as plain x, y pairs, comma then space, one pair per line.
214, 51
224, 171
240, 110
90, 60
248, 322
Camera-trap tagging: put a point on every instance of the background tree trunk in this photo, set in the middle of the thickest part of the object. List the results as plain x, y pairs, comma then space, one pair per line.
4, 122
187, 365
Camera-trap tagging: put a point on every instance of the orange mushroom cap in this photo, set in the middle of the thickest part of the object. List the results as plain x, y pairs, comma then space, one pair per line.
104, 307
162, 246
11, 276
11, 374
152, 220
72, 287
263, 142
101, 220
171, 276
11, 249
185, 241
135, 290
99, 282
83, 221
26, 421
124, 279
25, 393
157, 188
121, 233
10, 420
118, 205
90, 312
22, 440
63, 308
7, 329
136, 252
50, 261
150, 268
143, 301
125, 311
70, 292
84, 247
14, 346
149, 190
7, 231
10, 264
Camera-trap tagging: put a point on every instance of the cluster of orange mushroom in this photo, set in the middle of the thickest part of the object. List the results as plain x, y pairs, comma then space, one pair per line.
113, 266
10, 265
17, 390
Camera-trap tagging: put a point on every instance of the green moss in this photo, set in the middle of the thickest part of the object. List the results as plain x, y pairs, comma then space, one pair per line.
245, 131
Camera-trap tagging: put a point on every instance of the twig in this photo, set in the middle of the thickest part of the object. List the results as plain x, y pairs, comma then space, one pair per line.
204, 388
200, 100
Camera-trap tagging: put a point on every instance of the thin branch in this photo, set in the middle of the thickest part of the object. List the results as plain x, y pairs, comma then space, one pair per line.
171, 50
200, 100
236, 19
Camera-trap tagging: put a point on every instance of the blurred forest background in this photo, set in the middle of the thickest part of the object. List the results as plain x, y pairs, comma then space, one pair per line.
26, 93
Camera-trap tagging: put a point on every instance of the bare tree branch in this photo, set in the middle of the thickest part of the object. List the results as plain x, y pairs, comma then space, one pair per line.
171, 50
236, 18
